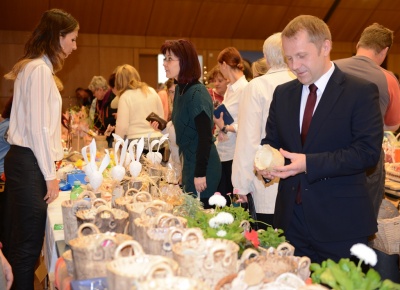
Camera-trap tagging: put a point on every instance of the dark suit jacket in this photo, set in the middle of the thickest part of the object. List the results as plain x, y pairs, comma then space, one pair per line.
344, 139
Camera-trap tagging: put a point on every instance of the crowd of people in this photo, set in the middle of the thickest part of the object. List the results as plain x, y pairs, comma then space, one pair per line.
326, 118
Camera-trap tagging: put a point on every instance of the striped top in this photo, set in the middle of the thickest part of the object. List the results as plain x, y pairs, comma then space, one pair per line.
35, 120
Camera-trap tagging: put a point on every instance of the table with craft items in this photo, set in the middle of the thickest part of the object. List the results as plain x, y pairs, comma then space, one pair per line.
54, 217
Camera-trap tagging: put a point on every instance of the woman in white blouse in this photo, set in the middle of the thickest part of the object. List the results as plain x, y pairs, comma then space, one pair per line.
35, 138
231, 66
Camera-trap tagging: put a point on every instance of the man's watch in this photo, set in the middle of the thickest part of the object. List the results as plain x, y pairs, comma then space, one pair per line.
224, 130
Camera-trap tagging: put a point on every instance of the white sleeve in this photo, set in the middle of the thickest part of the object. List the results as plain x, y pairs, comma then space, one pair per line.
249, 134
40, 106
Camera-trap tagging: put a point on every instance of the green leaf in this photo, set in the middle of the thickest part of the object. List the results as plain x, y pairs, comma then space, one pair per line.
328, 279
389, 285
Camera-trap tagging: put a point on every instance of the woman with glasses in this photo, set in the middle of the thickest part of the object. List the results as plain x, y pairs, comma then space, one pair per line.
192, 118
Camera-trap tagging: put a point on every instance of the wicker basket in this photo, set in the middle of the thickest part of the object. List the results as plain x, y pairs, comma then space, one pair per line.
135, 209
166, 232
168, 281
90, 253
277, 261
126, 198
148, 219
125, 272
106, 219
67, 256
388, 237
69, 209
208, 260
393, 171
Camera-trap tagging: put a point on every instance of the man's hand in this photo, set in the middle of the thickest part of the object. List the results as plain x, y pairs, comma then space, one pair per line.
52, 190
297, 165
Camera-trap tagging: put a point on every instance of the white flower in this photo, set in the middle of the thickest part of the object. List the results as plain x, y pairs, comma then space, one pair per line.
213, 222
224, 218
218, 200
221, 233
364, 253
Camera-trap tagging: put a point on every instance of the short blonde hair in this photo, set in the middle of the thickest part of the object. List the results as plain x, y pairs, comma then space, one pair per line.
128, 78
259, 67
98, 82
317, 30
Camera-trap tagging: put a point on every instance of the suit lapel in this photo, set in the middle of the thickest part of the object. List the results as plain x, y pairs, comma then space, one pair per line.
330, 96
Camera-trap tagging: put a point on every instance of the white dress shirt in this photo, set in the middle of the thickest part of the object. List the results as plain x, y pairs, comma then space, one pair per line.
253, 115
226, 148
321, 85
35, 120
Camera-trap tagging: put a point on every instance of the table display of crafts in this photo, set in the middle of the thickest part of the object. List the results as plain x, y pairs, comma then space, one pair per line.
219, 249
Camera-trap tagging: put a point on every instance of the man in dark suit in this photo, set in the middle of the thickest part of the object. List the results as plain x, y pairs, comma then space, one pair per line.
322, 203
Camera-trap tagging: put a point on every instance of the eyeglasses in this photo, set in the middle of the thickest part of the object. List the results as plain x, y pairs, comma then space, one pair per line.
169, 59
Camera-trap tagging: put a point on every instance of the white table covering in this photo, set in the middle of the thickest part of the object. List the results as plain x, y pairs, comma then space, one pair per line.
54, 216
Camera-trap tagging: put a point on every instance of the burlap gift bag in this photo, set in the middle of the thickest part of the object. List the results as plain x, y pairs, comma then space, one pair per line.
208, 260
125, 272
90, 253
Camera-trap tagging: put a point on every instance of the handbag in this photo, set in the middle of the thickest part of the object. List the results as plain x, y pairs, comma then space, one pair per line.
153, 117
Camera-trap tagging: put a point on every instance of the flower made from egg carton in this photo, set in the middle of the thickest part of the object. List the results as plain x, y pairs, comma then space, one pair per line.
135, 167
156, 157
118, 171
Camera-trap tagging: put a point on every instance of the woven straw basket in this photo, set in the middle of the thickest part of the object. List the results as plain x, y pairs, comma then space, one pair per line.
388, 237
124, 272
277, 261
126, 198
208, 260
167, 231
90, 253
69, 209
169, 281
105, 219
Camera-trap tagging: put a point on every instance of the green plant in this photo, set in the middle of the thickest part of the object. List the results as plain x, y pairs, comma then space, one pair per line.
345, 275
271, 237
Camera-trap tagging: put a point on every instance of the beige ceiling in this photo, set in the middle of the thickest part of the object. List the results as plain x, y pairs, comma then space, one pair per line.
240, 19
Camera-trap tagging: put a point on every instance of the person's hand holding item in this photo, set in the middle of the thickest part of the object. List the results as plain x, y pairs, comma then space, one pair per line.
7, 271
109, 130
220, 121
154, 124
297, 165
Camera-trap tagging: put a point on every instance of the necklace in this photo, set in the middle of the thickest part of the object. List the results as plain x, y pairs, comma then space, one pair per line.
183, 89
